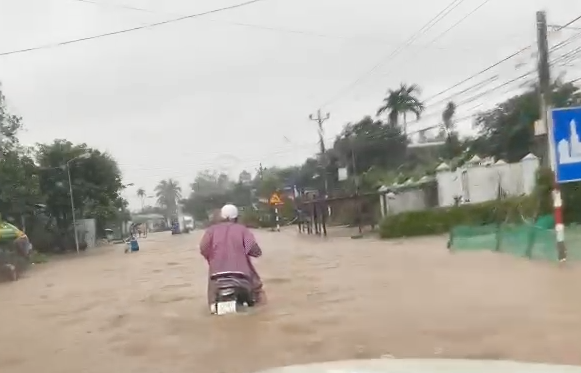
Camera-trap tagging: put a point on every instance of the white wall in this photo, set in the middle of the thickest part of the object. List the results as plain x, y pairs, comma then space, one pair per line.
402, 201
88, 227
408, 200
479, 183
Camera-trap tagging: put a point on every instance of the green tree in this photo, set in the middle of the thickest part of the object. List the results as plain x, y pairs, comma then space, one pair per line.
168, 193
9, 126
448, 132
95, 180
211, 190
401, 102
19, 189
507, 131
373, 143
209, 182
245, 177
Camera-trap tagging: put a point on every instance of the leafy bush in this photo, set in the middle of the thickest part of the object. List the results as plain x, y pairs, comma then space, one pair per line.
440, 220
38, 258
570, 193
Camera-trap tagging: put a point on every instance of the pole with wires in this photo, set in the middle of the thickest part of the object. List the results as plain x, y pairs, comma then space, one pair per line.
321, 131
357, 185
548, 156
324, 161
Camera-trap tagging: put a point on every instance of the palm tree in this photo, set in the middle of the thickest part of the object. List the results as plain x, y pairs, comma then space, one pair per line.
447, 118
168, 193
448, 129
400, 102
141, 194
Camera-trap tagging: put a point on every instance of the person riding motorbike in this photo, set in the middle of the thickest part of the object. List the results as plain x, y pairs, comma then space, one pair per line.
228, 247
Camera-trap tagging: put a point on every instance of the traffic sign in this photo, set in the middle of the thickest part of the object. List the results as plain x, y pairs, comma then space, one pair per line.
275, 199
566, 143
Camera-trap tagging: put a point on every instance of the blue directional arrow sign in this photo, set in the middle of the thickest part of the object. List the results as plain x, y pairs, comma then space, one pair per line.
566, 144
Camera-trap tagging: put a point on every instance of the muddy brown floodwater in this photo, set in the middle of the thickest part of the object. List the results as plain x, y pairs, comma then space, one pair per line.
332, 299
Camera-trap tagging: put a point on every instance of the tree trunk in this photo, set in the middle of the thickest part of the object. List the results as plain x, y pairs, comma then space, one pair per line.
405, 125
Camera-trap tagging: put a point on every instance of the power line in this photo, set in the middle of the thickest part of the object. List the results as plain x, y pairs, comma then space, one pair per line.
441, 35
431, 23
459, 22
569, 23
484, 83
373, 137
261, 27
478, 73
478, 85
249, 25
143, 27
369, 137
502, 61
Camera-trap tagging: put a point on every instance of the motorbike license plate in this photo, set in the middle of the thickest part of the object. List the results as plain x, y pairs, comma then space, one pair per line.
224, 308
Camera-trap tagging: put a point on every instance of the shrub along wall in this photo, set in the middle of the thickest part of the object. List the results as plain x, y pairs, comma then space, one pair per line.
440, 220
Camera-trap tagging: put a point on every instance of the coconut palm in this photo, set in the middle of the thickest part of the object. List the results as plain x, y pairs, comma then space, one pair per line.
448, 124
141, 194
168, 193
401, 102
448, 130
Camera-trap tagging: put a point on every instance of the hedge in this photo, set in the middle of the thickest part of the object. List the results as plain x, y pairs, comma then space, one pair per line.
440, 220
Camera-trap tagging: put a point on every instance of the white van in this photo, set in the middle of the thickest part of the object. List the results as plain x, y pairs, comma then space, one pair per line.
189, 223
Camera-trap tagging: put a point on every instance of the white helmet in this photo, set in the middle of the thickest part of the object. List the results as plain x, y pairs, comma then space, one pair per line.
229, 212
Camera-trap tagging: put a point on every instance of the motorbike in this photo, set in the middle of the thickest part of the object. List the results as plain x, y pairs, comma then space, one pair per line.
233, 293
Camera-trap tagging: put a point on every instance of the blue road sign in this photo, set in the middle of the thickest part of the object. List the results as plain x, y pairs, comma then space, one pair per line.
567, 143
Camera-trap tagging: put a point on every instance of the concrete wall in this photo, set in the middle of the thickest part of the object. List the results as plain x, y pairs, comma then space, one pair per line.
408, 200
479, 183
87, 229
474, 183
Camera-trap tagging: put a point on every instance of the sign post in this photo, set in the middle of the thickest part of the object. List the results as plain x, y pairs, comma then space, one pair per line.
565, 159
276, 201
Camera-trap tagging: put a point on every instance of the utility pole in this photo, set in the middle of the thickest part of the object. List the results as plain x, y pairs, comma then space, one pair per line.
544, 85
320, 120
548, 154
356, 181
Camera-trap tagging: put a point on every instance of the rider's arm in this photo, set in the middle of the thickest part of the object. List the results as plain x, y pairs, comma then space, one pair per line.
206, 244
250, 245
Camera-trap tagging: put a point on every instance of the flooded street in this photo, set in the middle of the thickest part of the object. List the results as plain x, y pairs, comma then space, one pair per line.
328, 300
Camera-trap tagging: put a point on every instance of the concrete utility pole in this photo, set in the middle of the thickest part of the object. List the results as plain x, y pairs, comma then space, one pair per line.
544, 84
548, 154
320, 120
356, 181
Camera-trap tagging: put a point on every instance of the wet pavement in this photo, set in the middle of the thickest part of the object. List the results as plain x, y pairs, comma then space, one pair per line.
332, 299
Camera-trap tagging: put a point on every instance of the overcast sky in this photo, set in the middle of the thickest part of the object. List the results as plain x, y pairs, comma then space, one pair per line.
232, 89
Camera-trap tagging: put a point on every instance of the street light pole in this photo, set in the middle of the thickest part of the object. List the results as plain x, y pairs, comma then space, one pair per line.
73, 206
82, 156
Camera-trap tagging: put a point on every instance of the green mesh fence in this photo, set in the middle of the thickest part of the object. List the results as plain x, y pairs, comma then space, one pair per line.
529, 239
